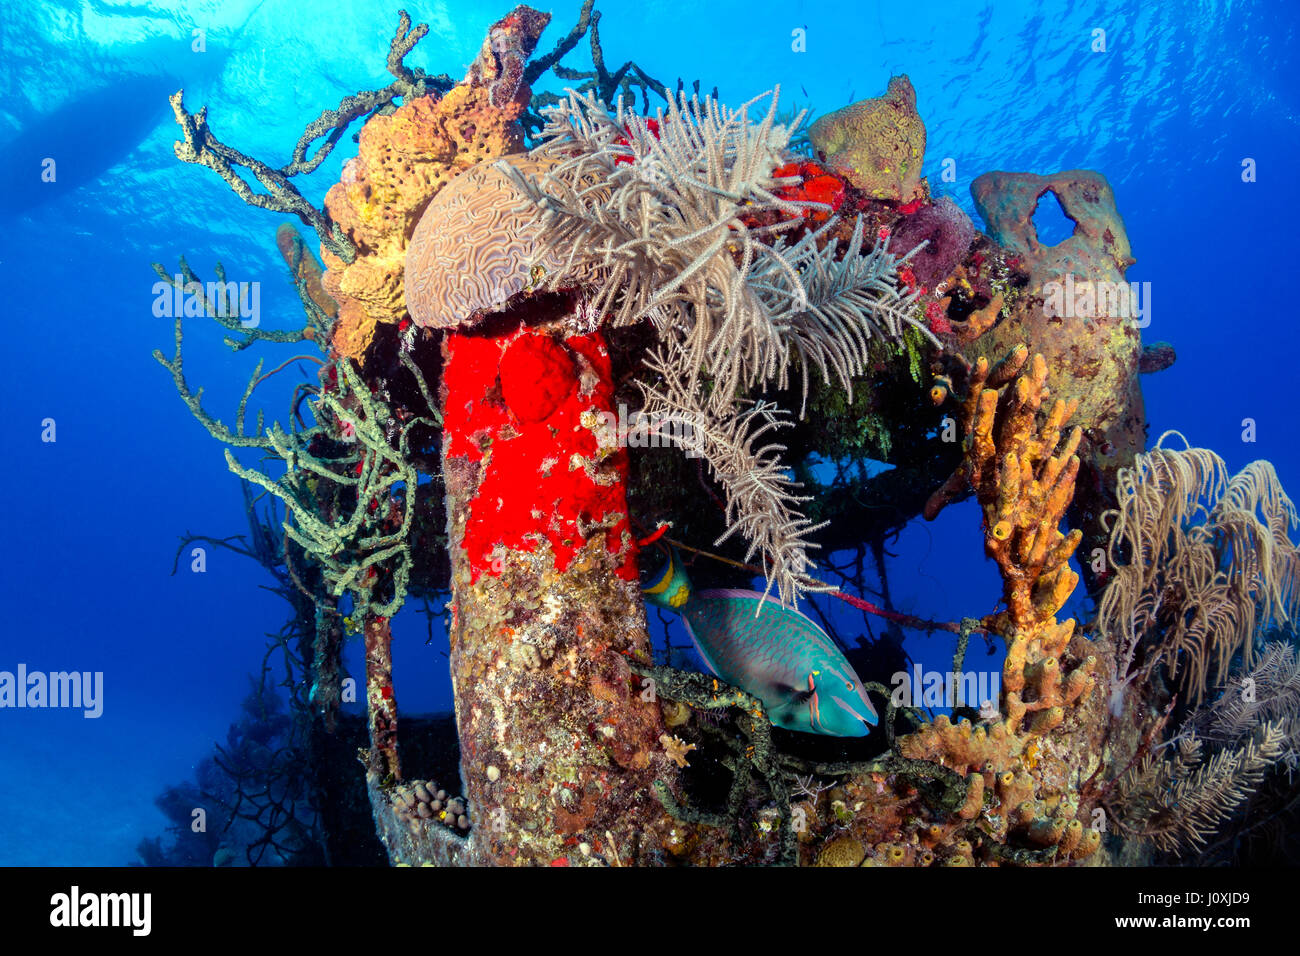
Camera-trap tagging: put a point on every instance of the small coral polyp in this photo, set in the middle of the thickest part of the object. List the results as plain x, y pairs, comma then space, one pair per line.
525, 407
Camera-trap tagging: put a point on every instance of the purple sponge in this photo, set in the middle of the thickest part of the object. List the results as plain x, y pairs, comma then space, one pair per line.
950, 233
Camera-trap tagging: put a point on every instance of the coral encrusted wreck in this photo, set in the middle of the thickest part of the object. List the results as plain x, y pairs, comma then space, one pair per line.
504, 335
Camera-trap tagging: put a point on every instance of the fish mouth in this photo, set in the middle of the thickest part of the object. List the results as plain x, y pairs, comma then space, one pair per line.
865, 713
837, 712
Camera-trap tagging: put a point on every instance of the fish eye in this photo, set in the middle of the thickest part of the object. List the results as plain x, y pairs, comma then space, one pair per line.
849, 684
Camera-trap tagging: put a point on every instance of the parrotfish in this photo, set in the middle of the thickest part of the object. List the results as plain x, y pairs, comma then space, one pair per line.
775, 653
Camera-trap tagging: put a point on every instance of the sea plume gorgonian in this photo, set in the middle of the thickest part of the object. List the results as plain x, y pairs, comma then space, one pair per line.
653, 218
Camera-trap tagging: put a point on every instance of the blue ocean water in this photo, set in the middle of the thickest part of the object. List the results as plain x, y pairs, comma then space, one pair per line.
1181, 97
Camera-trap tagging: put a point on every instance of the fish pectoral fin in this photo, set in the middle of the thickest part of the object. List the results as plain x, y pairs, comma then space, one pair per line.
796, 692
796, 695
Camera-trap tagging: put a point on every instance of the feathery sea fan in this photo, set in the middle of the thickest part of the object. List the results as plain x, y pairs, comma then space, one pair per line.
1202, 561
654, 218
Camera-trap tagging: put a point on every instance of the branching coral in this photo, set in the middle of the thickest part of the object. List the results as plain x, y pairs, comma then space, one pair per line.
348, 479
1024, 485
761, 500
652, 220
202, 146
648, 214
1022, 482
1267, 692
351, 479
349, 545
845, 298
627, 80
1201, 561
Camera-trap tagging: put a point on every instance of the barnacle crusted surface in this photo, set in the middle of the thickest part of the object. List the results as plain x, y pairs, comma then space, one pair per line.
472, 248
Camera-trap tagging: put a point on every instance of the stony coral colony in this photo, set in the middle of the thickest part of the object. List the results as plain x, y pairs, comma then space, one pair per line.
727, 259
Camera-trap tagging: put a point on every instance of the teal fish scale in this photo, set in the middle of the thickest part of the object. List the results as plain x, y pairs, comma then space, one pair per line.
781, 646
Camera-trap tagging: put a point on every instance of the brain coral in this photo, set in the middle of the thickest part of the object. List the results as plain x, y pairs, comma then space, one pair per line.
948, 232
877, 144
470, 251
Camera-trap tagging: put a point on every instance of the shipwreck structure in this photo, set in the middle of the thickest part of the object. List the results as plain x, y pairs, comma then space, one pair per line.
500, 272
